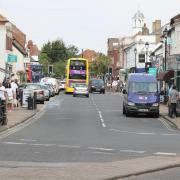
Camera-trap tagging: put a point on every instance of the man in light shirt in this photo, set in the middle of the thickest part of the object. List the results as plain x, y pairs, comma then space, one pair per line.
14, 89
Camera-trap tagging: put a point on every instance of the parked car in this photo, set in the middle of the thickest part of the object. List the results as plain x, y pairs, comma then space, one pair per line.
46, 92
51, 89
53, 81
38, 89
97, 85
80, 89
62, 85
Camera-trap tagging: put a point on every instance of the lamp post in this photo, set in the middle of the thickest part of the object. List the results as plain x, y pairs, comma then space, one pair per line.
147, 47
135, 52
165, 32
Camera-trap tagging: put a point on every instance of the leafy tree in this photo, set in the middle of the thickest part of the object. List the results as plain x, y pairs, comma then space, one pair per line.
100, 65
56, 53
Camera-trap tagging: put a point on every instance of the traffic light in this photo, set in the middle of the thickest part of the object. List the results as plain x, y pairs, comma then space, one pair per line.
50, 69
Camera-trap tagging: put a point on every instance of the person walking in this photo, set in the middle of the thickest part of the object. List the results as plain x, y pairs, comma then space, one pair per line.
9, 96
174, 96
3, 97
14, 87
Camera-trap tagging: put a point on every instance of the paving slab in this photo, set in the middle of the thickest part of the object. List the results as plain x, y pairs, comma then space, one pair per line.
88, 171
19, 115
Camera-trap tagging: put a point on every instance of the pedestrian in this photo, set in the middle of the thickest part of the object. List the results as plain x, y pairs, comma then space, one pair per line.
14, 87
18, 93
114, 85
9, 96
3, 97
174, 96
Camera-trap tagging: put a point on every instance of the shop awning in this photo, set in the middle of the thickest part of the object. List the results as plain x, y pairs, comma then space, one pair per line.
165, 76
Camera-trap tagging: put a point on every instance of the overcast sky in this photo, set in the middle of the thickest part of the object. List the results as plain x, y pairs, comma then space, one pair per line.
85, 24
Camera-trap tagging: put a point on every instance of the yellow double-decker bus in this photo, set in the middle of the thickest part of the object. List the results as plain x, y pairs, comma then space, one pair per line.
77, 71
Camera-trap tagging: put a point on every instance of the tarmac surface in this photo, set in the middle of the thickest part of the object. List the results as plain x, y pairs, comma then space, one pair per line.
67, 171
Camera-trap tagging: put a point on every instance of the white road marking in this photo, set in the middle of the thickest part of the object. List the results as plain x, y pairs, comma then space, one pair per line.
132, 151
106, 153
170, 134
28, 140
164, 153
146, 133
69, 146
100, 149
143, 133
46, 145
131, 132
104, 125
14, 143
100, 115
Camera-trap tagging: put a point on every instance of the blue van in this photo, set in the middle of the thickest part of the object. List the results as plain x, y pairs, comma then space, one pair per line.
141, 95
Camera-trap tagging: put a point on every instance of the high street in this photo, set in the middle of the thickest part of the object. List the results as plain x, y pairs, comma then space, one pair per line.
87, 130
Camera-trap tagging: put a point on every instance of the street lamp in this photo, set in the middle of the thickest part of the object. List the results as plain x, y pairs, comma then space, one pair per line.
146, 46
135, 52
165, 32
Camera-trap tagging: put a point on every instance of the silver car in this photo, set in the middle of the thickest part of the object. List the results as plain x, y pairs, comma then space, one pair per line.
81, 89
38, 89
46, 92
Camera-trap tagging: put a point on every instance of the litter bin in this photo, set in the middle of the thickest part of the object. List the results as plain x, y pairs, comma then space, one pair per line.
30, 103
35, 100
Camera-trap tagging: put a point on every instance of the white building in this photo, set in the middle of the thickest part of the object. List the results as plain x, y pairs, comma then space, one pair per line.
142, 41
5, 46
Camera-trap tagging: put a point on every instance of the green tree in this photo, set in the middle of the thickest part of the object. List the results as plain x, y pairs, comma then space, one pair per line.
56, 53
100, 65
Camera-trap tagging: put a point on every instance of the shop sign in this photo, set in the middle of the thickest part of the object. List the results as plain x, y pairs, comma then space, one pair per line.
152, 71
11, 58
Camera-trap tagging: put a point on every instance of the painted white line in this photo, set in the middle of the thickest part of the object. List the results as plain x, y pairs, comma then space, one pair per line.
100, 149
164, 153
46, 145
170, 134
142, 133
69, 146
131, 132
100, 115
104, 125
28, 140
105, 153
147, 133
14, 143
132, 151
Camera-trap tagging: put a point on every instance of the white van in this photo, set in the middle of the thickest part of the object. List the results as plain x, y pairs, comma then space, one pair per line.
53, 81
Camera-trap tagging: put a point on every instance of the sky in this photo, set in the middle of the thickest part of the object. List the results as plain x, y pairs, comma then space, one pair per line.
85, 24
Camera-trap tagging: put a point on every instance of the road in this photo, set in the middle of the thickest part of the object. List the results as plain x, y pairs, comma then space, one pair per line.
88, 130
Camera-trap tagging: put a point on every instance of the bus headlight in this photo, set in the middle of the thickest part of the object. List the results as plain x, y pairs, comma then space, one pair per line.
131, 104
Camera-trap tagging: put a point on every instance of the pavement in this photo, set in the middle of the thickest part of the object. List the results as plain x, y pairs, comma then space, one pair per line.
164, 114
19, 115
67, 171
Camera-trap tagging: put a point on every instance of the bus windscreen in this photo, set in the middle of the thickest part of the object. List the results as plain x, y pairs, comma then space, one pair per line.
77, 65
